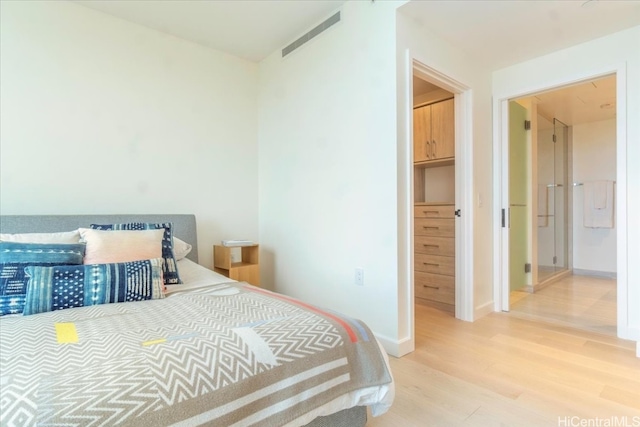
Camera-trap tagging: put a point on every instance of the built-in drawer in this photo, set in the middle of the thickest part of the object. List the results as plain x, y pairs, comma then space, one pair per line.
435, 264
434, 227
435, 287
433, 211
435, 245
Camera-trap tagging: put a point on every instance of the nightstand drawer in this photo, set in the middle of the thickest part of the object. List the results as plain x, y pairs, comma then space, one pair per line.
435, 264
434, 227
433, 211
435, 287
435, 245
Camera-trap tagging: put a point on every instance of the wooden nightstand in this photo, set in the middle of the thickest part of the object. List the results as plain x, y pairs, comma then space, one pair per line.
247, 270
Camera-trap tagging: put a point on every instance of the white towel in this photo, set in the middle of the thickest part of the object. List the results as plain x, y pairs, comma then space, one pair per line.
599, 189
598, 204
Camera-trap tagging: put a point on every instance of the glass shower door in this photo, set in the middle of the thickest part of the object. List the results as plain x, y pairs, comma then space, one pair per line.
552, 199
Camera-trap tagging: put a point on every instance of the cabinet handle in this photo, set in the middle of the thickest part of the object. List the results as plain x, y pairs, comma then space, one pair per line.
431, 263
431, 246
428, 150
434, 148
430, 227
430, 212
431, 287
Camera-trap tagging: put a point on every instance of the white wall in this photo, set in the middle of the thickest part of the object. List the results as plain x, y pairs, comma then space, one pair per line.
616, 52
333, 184
328, 168
103, 116
594, 158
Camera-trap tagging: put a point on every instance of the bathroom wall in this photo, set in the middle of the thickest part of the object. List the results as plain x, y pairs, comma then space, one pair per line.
594, 158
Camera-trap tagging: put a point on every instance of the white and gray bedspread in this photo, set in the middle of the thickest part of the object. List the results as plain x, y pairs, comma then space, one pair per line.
229, 354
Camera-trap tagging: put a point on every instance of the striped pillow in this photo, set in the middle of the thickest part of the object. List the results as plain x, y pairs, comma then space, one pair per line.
61, 287
14, 257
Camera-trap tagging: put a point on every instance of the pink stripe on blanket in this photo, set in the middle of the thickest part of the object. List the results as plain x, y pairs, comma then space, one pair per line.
344, 324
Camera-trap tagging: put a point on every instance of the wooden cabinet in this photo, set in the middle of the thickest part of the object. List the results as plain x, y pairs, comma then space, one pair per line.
246, 269
434, 214
433, 132
434, 253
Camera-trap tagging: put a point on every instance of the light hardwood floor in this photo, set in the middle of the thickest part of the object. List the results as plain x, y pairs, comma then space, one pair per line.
506, 370
584, 302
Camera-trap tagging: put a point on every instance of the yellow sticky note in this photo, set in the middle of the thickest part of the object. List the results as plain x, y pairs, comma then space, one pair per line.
66, 333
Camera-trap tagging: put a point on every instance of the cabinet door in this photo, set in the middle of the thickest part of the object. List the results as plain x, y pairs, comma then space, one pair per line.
442, 130
421, 133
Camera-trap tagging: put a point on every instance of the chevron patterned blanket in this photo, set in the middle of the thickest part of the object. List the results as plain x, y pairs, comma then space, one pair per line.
230, 354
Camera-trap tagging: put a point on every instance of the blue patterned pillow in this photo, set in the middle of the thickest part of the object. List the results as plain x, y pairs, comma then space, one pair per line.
170, 267
14, 257
60, 287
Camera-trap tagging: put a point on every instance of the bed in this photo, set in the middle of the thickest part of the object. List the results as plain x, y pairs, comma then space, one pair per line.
207, 351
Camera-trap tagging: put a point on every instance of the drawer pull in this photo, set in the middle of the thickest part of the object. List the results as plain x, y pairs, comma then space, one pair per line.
431, 287
431, 246
431, 263
428, 212
427, 227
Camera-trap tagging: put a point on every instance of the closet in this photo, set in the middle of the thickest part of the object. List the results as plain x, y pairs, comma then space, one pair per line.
433, 137
434, 197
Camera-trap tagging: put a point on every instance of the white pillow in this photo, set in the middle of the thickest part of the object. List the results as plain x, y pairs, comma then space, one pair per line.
61, 237
109, 246
180, 248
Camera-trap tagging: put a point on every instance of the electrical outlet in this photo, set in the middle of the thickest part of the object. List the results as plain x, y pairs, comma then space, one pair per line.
359, 277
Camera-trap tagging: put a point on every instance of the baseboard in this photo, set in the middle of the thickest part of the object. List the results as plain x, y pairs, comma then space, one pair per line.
483, 310
549, 281
595, 273
406, 346
396, 348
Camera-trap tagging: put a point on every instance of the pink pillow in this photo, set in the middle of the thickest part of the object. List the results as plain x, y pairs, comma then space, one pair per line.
110, 246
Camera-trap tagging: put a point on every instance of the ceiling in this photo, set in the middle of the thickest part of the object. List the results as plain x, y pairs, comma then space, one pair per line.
497, 33
249, 29
502, 33
590, 101
420, 87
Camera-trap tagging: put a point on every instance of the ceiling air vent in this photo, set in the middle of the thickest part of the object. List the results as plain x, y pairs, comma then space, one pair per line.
311, 34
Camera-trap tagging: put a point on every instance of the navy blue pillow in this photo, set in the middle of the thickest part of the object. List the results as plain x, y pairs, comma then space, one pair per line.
14, 257
169, 267
60, 287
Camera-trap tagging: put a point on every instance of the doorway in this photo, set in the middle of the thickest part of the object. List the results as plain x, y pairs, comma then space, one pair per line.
460, 188
569, 267
434, 195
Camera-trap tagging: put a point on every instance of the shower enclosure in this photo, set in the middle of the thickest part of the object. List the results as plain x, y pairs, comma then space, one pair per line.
553, 193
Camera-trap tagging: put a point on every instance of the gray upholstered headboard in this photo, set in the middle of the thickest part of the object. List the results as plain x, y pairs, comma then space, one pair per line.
184, 225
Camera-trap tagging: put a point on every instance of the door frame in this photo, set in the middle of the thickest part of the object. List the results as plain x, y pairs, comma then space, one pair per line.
464, 308
501, 188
